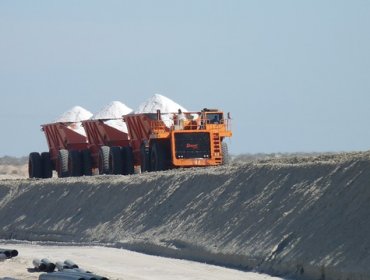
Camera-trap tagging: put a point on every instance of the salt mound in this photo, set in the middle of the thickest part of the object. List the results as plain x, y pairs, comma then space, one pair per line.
75, 116
113, 112
162, 103
159, 102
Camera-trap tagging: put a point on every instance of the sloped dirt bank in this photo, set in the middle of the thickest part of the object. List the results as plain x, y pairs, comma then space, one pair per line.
306, 218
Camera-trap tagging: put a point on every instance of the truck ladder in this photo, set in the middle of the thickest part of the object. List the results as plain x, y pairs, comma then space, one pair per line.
217, 147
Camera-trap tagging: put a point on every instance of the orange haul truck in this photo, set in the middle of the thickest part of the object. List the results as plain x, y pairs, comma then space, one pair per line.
155, 141
163, 141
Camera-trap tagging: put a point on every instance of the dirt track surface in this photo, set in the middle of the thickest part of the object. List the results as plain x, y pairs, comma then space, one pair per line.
115, 264
308, 218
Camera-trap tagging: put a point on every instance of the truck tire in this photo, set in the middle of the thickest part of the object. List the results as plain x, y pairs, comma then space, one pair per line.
157, 157
128, 161
86, 164
62, 166
34, 165
74, 163
115, 161
104, 160
225, 154
47, 166
144, 159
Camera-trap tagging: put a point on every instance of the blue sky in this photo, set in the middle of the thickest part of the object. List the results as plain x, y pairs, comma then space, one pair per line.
295, 75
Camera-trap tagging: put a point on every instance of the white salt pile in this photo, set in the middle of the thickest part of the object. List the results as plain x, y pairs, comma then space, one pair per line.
113, 112
162, 103
159, 102
75, 115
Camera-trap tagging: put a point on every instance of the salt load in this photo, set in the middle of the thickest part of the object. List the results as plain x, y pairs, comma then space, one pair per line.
75, 116
159, 102
112, 114
162, 103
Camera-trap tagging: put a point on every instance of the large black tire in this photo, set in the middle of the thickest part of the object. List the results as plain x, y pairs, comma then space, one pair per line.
157, 157
62, 166
115, 161
225, 154
34, 165
47, 166
74, 163
104, 160
128, 161
144, 158
86, 163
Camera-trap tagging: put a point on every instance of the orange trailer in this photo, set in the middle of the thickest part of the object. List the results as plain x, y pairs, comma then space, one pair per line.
65, 143
108, 146
74, 153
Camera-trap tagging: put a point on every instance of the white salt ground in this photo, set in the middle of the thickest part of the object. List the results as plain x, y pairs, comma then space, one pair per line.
117, 264
114, 111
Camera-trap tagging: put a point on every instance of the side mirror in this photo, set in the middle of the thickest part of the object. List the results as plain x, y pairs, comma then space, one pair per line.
228, 115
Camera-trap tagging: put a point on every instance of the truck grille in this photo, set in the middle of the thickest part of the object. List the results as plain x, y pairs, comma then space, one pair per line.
192, 145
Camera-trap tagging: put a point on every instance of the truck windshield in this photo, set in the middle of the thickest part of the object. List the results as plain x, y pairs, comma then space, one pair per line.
214, 118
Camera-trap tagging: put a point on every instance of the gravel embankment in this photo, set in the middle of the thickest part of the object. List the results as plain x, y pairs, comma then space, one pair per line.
308, 218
